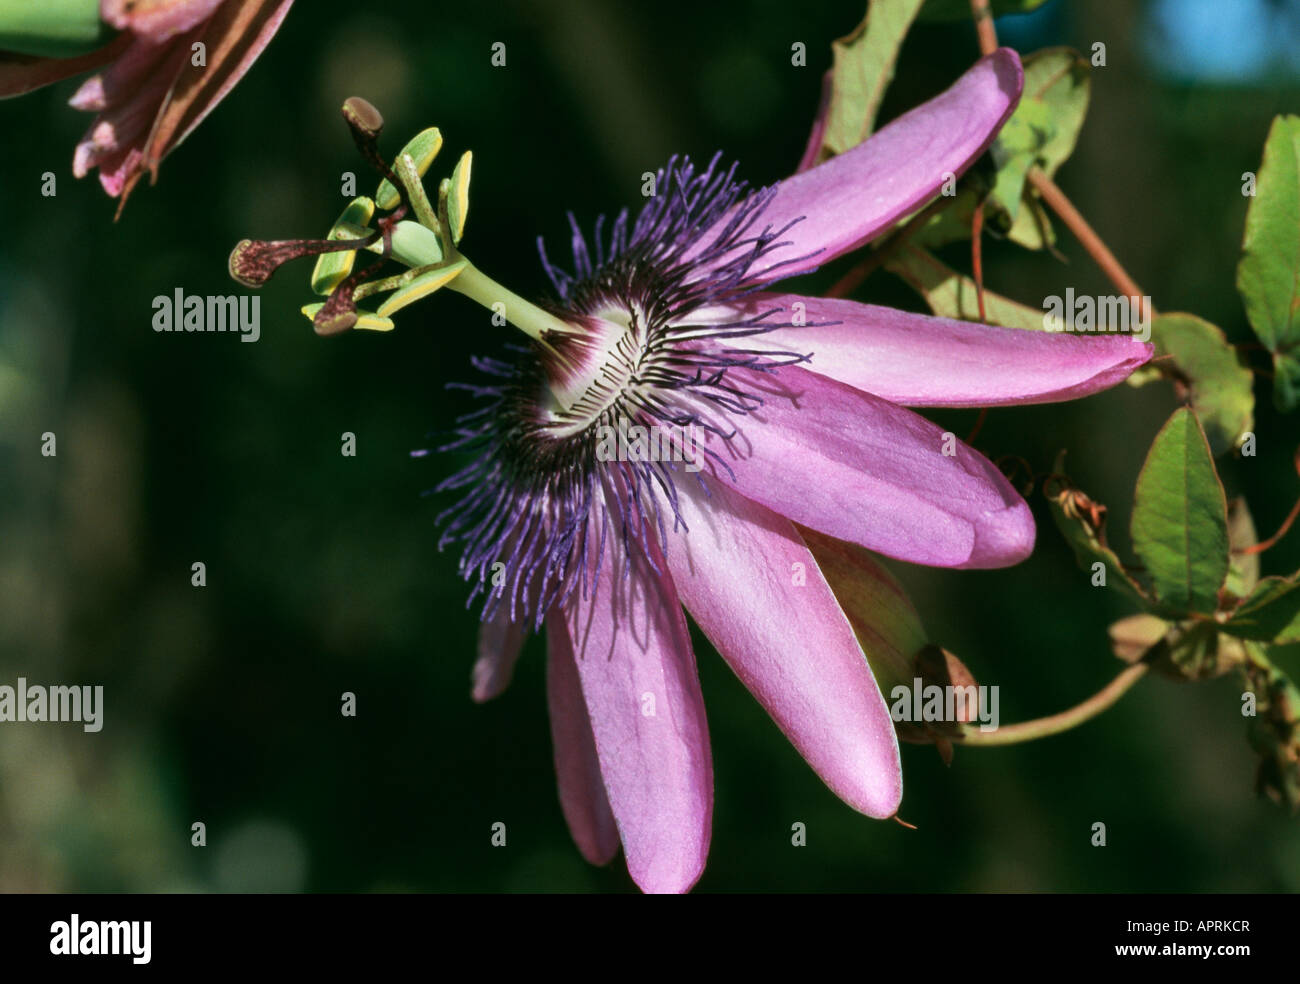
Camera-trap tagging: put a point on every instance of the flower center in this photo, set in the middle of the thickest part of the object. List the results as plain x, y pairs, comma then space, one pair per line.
590, 372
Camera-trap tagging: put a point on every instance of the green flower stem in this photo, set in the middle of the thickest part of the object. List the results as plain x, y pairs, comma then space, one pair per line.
527, 317
51, 28
1055, 724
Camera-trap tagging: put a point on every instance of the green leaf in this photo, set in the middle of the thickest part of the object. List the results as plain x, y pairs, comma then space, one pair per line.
1268, 276
960, 9
1221, 387
1042, 131
1271, 613
952, 295
861, 71
1082, 523
1180, 522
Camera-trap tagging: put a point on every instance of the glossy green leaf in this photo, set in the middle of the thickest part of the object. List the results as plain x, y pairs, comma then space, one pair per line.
332, 268
1268, 276
952, 295
1180, 523
1220, 386
863, 65
1042, 131
1270, 613
423, 148
960, 9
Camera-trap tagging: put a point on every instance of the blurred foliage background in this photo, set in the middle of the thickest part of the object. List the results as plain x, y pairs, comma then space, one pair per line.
222, 703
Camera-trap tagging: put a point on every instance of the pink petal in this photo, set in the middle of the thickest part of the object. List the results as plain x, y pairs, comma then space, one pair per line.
755, 590
860, 468
122, 78
638, 677
855, 196
577, 768
116, 169
159, 20
20, 74
499, 643
920, 361
251, 24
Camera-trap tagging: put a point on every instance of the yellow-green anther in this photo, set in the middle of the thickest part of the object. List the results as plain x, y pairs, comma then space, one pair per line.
422, 148
458, 196
365, 319
332, 268
422, 285
405, 169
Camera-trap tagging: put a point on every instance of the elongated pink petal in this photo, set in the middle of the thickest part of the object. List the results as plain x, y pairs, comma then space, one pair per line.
638, 678
577, 768
920, 361
755, 590
126, 75
157, 20
236, 36
854, 196
499, 643
20, 74
856, 467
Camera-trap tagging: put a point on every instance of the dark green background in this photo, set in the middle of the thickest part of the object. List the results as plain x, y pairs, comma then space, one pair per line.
222, 703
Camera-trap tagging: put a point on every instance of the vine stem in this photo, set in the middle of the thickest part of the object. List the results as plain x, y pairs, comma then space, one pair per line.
1055, 724
1054, 197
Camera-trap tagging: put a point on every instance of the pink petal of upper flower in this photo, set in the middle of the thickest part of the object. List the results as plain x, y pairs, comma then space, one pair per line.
577, 767
789, 643
855, 196
499, 643
236, 37
920, 361
863, 469
123, 77
20, 74
156, 20
638, 677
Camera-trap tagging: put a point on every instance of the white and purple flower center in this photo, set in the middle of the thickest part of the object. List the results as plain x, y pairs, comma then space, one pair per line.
645, 347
